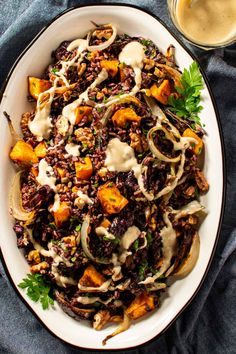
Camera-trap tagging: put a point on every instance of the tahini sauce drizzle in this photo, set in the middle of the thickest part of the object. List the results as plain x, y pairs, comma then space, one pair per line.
208, 22
46, 174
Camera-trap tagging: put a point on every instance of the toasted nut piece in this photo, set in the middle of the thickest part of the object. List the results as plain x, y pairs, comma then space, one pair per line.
39, 267
37, 86
86, 137
162, 92
199, 145
101, 318
149, 63
91, 277
141, 305
138, 142
84, 169
190, 191
103, 33
23, 154
159, 73
111, 199
201, 181
41, 150
102, 172
34, 256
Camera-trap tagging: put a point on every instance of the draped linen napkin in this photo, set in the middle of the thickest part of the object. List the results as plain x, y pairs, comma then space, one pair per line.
208, 324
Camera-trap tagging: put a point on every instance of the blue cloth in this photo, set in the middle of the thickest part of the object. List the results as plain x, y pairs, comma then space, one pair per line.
208, 324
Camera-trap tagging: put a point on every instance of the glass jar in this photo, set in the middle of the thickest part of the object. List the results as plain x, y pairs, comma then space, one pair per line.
207, 24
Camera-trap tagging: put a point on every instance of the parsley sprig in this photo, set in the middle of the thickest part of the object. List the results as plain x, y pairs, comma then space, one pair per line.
37, 289
187, 105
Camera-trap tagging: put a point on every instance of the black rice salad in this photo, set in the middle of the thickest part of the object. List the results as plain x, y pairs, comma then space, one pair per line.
106, 202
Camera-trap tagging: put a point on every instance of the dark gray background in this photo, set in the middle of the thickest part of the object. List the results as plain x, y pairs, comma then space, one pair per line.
208, 324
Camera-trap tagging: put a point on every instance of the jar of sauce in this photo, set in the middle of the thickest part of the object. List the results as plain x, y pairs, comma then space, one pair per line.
205, 23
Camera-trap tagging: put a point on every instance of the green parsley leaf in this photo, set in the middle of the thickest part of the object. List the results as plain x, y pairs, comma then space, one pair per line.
38, 289
136, 244
78, 228
187, 105
54, 70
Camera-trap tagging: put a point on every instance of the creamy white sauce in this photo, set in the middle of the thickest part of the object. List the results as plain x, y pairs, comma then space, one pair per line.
189, 209
102, 231
133, 55
56, 203
131, 235
46, 174
72, 149
84, 197
69, 110
120, 157
85, 300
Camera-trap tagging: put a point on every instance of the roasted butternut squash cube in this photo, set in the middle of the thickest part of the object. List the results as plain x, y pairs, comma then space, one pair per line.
61, 171
91, 277
62, 214
162, 92
122, 72
199, 145
124, 115
34, 171
41, 150
84, 169
37, 86
111, 199
81, 112
141, 305
111, 66
23, 154
105, 223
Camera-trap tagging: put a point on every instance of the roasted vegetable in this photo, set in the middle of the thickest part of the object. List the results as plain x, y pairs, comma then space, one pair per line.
37, 86
105, 223
111, 66
124, 115
61, 172
111, 199
23, 154
141, 305
190, 134
40, 150
62, 214
84, 169
91, 277
81, 112
162, 92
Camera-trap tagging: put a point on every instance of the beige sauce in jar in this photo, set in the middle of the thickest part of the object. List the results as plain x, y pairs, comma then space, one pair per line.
209, 22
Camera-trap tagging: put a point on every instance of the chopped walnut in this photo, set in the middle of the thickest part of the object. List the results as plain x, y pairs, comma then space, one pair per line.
159, 73
102, 172
190, 191
34, 256
201, 181
138, 142
39, 268
25, 119
192, 219
62, 188
85, 136
70, 241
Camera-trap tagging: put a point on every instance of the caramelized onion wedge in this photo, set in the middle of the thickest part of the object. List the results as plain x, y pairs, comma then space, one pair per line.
122, 327
85, 242
15, 200
174, 74
189, 262
104, 45
15, 137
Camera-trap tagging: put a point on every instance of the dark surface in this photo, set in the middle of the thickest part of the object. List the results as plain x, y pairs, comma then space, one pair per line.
208, 324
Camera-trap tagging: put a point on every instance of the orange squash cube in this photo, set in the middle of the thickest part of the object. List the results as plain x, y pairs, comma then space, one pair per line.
111, 199
23, 153
84, 169
61, 172
111, 66
141, 305
41, 150
62, 214
105, 223
124, 115
190, 134
81, 112
37, 86
91, 277
162, 92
